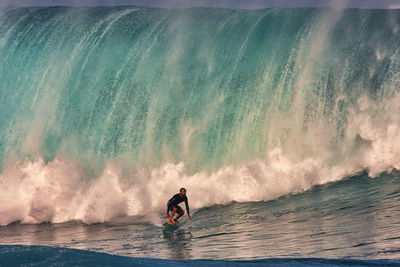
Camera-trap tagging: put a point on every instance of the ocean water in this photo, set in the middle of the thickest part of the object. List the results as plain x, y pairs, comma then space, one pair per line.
351, 222
283, 124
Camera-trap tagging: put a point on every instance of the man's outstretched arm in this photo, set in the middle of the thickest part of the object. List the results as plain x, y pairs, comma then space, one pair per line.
187, 209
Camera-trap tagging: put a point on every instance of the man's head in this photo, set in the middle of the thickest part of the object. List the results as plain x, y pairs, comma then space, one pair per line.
182, 191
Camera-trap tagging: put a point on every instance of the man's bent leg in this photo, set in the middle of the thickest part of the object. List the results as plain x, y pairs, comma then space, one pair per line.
180, 213
172, 215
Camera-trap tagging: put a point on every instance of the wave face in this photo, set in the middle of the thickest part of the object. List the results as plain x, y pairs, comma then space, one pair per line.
108, 111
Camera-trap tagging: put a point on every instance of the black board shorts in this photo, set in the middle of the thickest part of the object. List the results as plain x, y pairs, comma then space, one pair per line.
171, 206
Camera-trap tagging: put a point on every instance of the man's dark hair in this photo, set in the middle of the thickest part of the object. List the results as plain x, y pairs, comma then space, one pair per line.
182, 189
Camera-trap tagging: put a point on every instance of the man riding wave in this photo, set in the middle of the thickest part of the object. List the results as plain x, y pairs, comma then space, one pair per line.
172, 206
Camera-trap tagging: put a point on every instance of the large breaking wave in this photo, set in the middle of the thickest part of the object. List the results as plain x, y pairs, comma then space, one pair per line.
106, 112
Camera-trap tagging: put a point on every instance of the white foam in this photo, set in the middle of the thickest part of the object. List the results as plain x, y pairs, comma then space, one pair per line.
59, 191
379, 125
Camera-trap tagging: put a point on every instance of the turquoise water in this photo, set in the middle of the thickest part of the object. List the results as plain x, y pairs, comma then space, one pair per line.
203, 86
106, 112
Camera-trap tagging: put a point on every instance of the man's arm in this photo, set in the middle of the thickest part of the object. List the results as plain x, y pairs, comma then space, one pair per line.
169, 201
187, 209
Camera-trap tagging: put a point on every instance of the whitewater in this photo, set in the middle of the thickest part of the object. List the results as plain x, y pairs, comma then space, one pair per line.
107, 111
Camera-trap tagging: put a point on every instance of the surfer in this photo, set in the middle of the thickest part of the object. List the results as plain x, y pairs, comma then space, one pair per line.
172, 206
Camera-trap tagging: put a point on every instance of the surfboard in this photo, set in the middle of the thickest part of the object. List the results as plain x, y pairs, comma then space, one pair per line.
170, 227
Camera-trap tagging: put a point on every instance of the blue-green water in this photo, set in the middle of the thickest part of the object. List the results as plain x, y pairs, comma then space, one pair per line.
203, 86
106, 112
